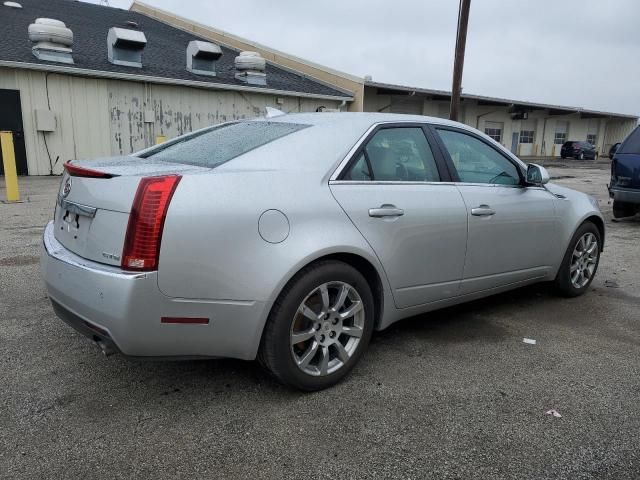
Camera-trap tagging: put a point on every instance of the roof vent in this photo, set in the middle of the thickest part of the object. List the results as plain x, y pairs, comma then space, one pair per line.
52, 40
250, 68
12, 4
202, 57
125, 47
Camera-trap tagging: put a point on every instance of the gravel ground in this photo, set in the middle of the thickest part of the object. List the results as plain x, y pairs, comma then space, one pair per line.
451, 394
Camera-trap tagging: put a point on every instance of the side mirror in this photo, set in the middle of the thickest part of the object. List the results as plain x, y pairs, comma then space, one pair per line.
537, 175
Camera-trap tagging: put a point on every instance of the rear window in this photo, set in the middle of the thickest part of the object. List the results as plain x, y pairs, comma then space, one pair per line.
631, 143
568, 144
220, 144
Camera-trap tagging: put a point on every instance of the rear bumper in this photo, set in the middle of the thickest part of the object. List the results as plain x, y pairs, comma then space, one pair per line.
628, 195
124, 310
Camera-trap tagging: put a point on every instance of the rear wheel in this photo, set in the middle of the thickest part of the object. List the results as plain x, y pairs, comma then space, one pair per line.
319, 327
580, 261
624, 209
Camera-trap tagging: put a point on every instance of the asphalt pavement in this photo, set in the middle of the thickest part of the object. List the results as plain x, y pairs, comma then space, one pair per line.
454, 394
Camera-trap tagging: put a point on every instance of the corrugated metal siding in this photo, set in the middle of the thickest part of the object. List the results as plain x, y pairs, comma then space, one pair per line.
179, 110
616, 131
97, 117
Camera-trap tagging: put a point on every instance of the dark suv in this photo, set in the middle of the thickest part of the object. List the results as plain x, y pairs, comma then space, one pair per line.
625, 177
578, 150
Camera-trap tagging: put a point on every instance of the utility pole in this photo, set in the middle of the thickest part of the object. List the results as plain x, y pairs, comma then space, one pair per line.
458, 62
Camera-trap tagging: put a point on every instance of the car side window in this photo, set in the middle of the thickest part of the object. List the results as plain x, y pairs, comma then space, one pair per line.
477, 162
360, 170
399, 154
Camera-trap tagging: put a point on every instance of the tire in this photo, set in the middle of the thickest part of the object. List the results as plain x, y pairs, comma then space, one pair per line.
562, 157
566, 282
624, 209
299, 365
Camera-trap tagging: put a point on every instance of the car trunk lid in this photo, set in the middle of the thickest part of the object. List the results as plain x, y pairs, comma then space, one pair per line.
95, 200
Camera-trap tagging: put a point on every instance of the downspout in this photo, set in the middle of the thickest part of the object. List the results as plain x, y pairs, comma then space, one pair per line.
478, 117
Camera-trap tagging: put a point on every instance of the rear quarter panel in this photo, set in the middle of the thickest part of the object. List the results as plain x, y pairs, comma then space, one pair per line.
212, 249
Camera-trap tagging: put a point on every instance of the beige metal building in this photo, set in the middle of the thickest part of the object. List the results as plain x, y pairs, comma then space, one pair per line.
526, 128
92, 81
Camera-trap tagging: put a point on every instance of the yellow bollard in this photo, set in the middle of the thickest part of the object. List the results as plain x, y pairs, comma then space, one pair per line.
9, 163
160, 139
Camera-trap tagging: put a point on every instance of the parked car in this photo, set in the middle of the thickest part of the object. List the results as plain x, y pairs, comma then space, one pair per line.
291, 239
579, 150
624, 187
613, 149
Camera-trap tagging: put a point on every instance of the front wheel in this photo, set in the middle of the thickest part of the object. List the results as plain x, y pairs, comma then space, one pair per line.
580, 261
319, 327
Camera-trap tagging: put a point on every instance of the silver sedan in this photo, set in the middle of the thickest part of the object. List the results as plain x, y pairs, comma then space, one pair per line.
291, 239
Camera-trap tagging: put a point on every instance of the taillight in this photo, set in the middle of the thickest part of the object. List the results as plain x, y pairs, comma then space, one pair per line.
144, 232
76, 171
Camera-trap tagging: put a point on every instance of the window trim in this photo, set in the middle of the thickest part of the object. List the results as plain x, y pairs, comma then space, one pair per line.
360, 146
452, 169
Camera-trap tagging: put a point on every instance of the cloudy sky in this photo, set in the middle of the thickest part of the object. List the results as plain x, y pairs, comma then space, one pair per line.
571, 52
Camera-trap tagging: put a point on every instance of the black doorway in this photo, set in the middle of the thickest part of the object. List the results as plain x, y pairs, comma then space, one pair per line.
11, 119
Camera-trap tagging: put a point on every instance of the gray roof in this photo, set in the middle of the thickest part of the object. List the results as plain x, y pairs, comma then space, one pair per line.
164, 56
445, 95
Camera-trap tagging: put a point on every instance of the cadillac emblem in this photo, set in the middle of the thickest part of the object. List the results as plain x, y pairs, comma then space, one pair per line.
67, 188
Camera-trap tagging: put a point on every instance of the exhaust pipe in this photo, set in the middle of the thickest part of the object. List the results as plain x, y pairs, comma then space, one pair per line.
107, 350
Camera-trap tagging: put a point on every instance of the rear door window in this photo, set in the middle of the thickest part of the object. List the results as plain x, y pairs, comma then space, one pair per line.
631, 143
396, 154
217, 145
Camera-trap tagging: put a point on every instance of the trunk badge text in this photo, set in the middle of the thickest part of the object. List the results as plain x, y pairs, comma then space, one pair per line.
111, 256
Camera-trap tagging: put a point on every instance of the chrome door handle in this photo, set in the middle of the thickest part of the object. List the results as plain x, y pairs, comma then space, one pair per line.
386, 210
483, 211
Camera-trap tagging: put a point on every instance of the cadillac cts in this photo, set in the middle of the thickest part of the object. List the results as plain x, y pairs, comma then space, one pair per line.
290, 239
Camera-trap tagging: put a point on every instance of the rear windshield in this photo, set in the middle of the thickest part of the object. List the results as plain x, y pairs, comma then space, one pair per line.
631, 143
220, 144
569, 143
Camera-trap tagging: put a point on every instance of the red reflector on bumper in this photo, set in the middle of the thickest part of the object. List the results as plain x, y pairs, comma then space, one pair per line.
183, 320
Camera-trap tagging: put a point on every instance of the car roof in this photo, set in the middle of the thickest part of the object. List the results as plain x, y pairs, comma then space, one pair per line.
359, 119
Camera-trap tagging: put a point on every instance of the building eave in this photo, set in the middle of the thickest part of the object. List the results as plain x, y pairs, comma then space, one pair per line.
83, 72
504, 101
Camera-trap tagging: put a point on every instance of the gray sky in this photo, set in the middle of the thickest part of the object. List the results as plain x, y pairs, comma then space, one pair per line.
582, 53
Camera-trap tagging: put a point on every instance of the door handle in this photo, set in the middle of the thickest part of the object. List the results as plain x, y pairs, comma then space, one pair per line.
483, 211
386, 210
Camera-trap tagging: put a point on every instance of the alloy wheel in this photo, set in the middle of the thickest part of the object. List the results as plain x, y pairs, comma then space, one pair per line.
327, 328
584, 260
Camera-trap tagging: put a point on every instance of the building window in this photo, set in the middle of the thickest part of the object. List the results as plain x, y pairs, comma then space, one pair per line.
526, 136
494, 133
561, 132
591, 138
494, 130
